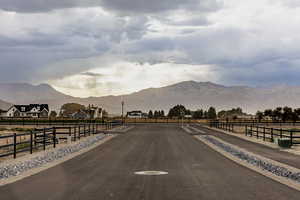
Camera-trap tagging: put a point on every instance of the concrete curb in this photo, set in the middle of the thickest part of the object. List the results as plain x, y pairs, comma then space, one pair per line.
282, 180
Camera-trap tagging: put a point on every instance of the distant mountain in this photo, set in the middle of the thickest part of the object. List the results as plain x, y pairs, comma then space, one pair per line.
192, 94
4, 105
23, 93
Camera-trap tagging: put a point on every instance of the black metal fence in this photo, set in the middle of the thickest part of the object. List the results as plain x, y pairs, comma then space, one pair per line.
222, 125
261, 132
270, 134
37, 139
50, 122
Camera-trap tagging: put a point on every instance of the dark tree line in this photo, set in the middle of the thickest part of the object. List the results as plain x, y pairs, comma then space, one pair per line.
180, 111
280, 114
231, 114
156, 114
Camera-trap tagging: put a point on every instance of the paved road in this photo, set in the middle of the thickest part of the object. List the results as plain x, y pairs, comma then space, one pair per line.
268, 152
107, 172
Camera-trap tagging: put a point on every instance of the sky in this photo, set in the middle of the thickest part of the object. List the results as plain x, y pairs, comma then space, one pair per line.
110, 47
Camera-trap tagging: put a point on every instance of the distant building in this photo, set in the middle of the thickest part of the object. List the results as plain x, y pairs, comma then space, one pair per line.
135, 114
95, 112
245, 116
188, 116
81, 114
91, 112
3, 113
32, 110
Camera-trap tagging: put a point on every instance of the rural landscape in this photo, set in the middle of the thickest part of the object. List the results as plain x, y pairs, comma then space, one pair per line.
149, 100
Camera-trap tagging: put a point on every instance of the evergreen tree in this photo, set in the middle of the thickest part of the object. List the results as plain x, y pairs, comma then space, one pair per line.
155, 114
198, 114
211, 113
177, 111
150, 114
162, 113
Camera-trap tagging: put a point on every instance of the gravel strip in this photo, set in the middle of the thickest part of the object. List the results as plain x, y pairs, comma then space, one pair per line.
11, 170
255, 161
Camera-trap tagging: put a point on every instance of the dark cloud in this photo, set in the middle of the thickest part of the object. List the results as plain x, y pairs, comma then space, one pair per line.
44, 5
154, 6
92, 74
123, 6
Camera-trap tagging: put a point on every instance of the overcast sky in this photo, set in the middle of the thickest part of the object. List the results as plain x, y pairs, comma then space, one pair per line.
102, 47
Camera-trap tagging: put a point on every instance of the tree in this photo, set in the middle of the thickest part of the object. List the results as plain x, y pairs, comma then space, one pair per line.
156, 114
70, 108
297, 112
269, 113
198, 114
231, 114
150, 114
259, 116
53, 114
104, 114
277, 113
287, 113
211, 113
205, 115
177, 111
294, 116
162, 113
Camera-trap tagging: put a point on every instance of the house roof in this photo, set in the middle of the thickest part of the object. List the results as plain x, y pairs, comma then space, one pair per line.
135, 111
28, 108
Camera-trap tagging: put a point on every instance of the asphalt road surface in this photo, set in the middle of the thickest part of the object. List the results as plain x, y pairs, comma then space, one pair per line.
196, 172
263, 150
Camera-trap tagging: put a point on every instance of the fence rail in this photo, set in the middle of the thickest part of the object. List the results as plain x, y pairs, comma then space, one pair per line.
13, 144
262, 132
270, 134
223, 126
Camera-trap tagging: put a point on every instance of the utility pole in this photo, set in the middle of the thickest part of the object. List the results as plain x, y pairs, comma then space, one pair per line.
123, 112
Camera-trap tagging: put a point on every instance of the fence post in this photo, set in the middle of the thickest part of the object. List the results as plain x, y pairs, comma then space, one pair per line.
264, 133
272, 138
15, 145
251, 130
79, 132
31, 138
291, 137
246, 129
84, 130
74, 133
44, 133
257, 128
54, 137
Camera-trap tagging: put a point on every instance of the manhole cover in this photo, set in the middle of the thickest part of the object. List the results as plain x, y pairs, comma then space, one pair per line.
151, 173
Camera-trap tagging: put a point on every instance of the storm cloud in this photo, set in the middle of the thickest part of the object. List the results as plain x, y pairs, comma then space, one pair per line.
129, 6
253, 43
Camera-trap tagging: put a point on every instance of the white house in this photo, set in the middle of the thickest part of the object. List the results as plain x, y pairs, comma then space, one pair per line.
135, 114
95, 112
32, 110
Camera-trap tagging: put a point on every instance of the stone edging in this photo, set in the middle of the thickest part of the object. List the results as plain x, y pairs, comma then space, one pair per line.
280, 172
17, 170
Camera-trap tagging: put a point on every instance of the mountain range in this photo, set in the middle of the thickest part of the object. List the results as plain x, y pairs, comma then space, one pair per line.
4, 105
192, 94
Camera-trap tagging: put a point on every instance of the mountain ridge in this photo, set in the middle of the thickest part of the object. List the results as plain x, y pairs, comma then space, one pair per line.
192, 94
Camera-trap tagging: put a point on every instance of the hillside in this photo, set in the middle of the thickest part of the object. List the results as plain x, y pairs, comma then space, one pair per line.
192, 94
4, 105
